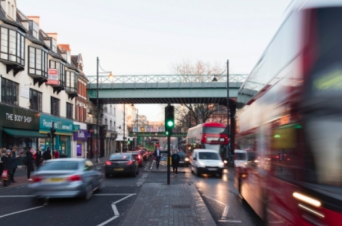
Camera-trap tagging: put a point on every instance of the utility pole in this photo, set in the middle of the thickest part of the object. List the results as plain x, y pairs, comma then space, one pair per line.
228, 110
97, 111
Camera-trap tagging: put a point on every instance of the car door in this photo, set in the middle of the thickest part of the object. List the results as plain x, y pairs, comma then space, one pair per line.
194, 161
91, 174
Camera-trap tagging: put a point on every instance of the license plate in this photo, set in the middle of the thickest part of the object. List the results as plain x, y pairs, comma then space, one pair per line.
212, 169
118, 169
56, 180
181, 161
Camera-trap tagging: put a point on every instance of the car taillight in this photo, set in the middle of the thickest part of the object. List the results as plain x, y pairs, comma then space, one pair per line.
74, 178
36, 179
108, 163
129, 162
139, 156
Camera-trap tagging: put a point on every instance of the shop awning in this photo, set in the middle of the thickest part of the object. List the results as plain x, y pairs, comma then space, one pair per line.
24, 133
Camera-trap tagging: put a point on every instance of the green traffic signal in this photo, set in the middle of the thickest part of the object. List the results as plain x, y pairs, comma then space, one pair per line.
170, 123
166, 133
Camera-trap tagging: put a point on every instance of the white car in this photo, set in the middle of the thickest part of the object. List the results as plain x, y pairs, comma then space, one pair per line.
240, 158
206, 161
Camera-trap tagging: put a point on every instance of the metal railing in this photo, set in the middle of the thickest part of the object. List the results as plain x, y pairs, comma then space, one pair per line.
188, 78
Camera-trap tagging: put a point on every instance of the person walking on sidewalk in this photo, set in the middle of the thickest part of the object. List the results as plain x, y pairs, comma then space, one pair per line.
3, 150
175, 162
47, 154
7, 165
157, 156
38, 158
14, 157
29, 163
55, 154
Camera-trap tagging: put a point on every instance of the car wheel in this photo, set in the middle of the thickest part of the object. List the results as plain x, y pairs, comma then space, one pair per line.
89, 192
107, 175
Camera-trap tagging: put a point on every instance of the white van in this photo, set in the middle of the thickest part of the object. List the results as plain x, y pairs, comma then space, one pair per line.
240, 158
206, 161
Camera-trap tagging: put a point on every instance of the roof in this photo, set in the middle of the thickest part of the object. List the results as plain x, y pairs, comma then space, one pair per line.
16, 23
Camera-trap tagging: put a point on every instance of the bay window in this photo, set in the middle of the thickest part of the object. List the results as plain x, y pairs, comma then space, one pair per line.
35, 100
71, 81
12, 46
38, 65
61, 70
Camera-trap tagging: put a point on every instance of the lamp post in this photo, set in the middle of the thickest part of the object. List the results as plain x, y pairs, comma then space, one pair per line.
97, 107
228, 111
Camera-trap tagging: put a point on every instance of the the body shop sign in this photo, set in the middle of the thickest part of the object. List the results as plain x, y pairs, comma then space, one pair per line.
18, 118
53, 77
62, 126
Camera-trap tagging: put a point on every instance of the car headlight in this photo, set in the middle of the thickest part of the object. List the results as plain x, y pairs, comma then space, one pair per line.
225, 161
201, 163
186, 159
220, 164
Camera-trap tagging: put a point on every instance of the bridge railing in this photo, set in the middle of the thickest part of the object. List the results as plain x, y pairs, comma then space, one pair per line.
188, 78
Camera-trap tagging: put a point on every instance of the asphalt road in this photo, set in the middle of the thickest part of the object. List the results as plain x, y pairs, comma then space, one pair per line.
110, 206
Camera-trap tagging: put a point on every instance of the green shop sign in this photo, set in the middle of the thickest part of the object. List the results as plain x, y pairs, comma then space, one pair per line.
19, 118
62, 126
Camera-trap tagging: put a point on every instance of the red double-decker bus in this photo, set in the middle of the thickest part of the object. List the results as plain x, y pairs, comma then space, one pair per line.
210, 135
292, 121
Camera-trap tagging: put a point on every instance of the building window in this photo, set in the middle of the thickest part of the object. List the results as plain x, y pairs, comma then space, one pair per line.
54, 106
35, 100
38, 62
71, 81
69, 110
106, 121
12, 46
57, 65
111, 125
9, 92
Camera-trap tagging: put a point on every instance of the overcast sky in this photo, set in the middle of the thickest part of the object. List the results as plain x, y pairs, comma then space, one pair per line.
149, 36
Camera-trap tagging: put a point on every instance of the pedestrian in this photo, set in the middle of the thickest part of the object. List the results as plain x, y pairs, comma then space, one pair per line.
14, 157
3, 150
7, 166
47, 154
175, 162
29, 163
157, 156
38, 158
55, 154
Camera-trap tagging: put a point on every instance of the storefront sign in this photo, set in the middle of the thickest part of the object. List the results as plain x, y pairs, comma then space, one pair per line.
77, 127
81, 135
79, 149
53, 77
62, 126
18, 118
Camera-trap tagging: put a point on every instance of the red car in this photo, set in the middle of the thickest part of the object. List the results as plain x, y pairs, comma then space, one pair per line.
139, 158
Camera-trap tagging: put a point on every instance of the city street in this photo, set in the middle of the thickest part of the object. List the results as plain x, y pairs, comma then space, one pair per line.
111, 205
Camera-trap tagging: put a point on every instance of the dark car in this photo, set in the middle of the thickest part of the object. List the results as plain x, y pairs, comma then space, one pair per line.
122, 163
183, 159
138, 157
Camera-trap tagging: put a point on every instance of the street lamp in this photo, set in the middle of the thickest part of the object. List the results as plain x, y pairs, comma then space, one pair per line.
97, 105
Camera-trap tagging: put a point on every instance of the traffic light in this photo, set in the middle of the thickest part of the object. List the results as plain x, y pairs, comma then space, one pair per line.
53, 130
169, 119
129, 141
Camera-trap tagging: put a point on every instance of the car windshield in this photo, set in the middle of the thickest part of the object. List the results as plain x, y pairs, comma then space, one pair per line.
59, 165
215, 130
208, 155
120, 157
240, 156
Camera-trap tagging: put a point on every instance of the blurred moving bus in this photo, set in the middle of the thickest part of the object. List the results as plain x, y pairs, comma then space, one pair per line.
210, 135
292, 119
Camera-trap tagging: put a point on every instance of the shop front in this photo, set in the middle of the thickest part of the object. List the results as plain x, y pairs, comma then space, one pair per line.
80, 141
19, 127
64, 132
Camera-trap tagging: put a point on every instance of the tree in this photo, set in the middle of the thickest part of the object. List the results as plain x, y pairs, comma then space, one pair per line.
195, 113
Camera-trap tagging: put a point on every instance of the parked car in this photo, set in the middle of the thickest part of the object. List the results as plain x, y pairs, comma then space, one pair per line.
183, 159
122, 163
63, 178
206, 161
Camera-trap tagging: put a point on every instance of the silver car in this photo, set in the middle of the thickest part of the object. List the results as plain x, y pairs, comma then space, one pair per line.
63, 178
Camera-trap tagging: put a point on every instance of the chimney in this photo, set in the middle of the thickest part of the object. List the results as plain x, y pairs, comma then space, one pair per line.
34, 18
52, 35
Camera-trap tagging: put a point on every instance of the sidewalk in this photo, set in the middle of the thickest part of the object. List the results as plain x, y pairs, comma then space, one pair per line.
20, 175
163, 168
165, 205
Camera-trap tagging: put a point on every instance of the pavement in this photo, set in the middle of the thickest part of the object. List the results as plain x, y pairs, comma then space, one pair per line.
20, 175
159, 204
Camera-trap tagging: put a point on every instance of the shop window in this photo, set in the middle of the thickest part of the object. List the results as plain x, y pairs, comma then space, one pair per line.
38, 62
12, 46
54, 106
9, 92
35, 100
69, 110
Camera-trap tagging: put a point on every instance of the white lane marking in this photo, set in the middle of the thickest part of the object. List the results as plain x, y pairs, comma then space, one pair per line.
225, 212
115, 209
230, 221
113, 194
215, 200
142, 179
21, 211
152, 164
16, 196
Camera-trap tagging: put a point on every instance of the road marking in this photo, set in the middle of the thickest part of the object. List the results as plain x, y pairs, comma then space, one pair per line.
225, 212
16, 196
115, 209
114, 194
230, 221
142, 179
152, 164
215, 200
21, 211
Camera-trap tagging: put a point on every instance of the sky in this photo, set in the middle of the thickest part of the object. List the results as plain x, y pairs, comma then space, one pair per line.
151, 36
